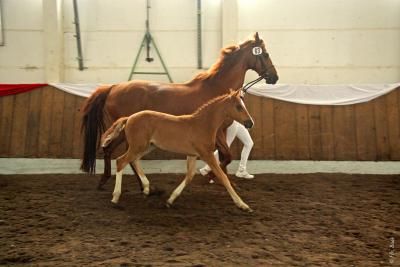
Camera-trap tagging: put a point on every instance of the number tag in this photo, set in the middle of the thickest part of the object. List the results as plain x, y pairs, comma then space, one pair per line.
257, 50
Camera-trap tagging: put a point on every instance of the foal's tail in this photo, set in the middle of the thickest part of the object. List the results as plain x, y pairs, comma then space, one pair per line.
113, 132
92, 126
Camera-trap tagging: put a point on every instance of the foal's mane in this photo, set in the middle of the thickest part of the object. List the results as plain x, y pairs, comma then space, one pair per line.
211, 102
225, 55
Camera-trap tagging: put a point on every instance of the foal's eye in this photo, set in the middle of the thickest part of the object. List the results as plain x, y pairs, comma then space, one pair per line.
239, 107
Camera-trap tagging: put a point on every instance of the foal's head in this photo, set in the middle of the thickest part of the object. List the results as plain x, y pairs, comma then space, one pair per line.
236, 109
259, 60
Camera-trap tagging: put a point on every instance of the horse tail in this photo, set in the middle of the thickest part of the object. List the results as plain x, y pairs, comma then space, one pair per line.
113, 132
92, 126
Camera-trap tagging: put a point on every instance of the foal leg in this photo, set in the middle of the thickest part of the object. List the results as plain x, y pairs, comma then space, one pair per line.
121, 164
141, 177
212, 162
135, 173
225, 155
144, 182
107, 163
191, 170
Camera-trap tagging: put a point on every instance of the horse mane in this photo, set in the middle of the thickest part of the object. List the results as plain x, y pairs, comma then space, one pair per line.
210, 102
224, 57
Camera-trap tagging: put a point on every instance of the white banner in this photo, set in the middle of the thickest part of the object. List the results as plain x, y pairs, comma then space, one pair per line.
81, 89
323, 94
302, 94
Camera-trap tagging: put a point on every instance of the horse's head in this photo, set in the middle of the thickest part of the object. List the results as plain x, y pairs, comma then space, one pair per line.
259, 60
236, 109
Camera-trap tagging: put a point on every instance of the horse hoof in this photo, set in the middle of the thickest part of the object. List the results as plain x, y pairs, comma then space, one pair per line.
146, 193
246, 208
168, 205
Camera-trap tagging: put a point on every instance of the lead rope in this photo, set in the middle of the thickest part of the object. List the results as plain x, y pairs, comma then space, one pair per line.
250, 84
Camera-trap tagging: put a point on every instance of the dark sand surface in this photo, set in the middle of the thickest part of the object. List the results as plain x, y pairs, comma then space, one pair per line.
298, 220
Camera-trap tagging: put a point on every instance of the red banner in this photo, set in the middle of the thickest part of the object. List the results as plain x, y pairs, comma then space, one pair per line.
12, 89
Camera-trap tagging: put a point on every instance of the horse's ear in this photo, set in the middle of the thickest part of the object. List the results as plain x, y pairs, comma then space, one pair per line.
256, 37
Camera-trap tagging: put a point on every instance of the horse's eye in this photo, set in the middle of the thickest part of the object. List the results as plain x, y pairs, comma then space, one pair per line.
266, 55
239, 107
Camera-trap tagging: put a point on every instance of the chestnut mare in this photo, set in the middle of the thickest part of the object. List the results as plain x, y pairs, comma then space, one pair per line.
127, 98
192, 135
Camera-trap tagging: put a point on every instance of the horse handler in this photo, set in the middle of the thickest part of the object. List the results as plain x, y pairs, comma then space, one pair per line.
236, 129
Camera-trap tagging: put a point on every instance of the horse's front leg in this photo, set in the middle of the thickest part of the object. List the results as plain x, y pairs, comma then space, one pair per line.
210, 159
191, 170
224, 153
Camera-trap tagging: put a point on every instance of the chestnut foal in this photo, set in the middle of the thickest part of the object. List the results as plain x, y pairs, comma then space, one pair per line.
193, 135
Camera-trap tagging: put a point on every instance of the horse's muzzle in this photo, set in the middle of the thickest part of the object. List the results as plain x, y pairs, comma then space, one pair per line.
271, 79
248, 124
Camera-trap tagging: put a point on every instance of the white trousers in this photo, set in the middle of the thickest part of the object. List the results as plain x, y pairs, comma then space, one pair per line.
237, 129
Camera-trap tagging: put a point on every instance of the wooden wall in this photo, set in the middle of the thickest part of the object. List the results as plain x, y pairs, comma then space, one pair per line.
367, 131
46, 123
42, 123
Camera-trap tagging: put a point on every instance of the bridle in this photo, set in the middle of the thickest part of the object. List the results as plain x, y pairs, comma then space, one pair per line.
250, 84
260, 54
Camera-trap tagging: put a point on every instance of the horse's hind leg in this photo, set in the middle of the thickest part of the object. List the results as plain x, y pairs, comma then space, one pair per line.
107, 163
144, 182
107, 160
191, 170
135, 173
141, 177
121, 164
